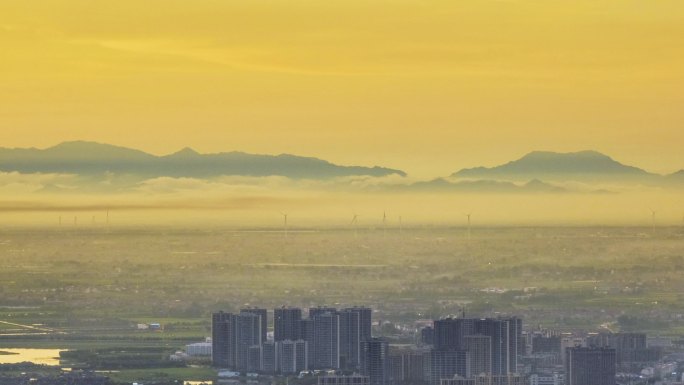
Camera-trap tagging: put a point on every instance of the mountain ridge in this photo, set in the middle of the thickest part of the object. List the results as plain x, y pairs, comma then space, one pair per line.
89, 158
548, 165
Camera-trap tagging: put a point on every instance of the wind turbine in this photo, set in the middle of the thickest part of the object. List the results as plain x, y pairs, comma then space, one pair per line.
384, 223
355, 222
284, 223
107, 221
468, 216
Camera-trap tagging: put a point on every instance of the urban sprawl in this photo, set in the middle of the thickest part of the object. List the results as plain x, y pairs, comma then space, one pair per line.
336, 347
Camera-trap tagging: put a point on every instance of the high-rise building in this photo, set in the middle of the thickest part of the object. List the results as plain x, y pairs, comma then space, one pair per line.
631, 349
223, 339
448, 333
494, 344
286, 324
505, 334
247, 334
306, 332
326, 340
376, 361
590, 366
479, 348
263, 314
355, 327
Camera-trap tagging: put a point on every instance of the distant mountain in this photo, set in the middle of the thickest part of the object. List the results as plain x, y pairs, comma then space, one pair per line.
89, 158
676, 177
553, 166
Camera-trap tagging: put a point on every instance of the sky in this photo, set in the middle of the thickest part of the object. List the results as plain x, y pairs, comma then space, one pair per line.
426, 86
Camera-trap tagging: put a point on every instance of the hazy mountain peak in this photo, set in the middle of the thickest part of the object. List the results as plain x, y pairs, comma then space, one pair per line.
83, 145
548, 165
81, 150
186, 151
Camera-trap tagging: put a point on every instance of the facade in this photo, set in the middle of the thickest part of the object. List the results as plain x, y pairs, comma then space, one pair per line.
269, 357
292, 356
355, 327
306, 333
407, 367
449, 332
496, 343
590, 366
302, 355
286, 324
263, 316
247, 335
505, 334
447, 364
480, 349
223, 339
376, 361
326, 340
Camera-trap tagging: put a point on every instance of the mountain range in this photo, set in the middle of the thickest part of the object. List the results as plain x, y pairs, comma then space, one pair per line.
536, 172
89, 158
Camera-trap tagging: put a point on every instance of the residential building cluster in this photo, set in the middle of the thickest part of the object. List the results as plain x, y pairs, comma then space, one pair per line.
338, 345
327, 339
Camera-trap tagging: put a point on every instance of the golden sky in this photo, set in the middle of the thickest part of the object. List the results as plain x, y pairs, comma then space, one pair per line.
426, 86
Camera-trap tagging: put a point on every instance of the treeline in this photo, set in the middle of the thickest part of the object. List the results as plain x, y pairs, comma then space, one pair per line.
118, 358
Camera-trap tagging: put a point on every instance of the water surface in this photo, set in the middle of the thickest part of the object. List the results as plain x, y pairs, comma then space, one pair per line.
36, 356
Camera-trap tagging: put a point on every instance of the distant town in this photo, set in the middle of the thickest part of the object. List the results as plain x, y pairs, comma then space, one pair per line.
337, 347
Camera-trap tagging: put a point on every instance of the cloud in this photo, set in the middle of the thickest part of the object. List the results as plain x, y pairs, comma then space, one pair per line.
17, 183
256, 185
